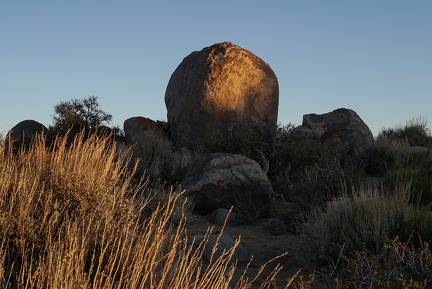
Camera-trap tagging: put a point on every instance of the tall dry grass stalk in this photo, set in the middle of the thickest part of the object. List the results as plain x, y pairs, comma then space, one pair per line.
71, 216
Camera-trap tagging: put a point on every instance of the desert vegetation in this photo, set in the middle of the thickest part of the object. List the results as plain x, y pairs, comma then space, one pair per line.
81, 212
368, 224
73, 216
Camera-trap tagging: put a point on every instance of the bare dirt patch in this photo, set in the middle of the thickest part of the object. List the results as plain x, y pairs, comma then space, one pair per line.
263, 246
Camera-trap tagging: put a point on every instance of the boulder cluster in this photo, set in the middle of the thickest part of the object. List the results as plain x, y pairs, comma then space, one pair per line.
222, 110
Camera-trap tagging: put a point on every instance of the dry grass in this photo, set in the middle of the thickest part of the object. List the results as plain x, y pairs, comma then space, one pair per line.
365, 220
361, 238
73, 217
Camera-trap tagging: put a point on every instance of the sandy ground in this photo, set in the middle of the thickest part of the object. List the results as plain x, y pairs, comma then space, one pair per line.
264, 246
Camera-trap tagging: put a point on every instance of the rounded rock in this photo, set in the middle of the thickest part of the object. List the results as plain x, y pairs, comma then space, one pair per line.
220, 93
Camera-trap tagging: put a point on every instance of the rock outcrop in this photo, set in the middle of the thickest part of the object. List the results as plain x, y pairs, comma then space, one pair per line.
222, 180
220, 98
341, 129
148, 142
23, 133
137, 129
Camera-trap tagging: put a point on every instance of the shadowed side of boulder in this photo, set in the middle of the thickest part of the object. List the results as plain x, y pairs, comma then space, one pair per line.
22, 134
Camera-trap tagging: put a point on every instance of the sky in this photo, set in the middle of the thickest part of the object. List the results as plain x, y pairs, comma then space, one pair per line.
374, 57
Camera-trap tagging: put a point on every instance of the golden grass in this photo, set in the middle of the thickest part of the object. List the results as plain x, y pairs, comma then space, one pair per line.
72, 216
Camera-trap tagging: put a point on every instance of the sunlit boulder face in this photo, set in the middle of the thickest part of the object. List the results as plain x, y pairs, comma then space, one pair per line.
222, 98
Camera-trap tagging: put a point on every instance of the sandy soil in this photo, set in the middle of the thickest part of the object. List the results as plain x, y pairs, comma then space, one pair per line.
264, 246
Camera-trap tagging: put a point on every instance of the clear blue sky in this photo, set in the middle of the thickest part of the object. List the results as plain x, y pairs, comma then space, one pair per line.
374, 57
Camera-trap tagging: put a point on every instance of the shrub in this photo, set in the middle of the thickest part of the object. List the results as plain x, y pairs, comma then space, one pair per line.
366, 220
419, 224
254, 142
401, 264
421, 179
415, 133
402, 159
306, 171
390, 154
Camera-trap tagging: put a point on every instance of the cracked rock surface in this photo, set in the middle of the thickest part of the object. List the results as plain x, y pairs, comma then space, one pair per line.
223, 180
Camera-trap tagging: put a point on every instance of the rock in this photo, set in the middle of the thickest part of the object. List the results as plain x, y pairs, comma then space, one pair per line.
104, 131
225, 242
137, 129
420, 150
148, 143
342, 129
219, 216
222, 98
222, 180
275, 227
23, 133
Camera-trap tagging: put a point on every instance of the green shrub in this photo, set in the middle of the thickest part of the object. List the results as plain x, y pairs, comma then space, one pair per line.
403, 153
419, 225
415, 133
421, 179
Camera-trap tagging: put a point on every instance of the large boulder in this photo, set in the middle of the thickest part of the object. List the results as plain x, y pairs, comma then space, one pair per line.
223, 180
23, 133
342, 129
222, 98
